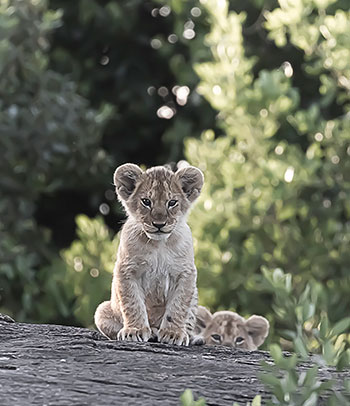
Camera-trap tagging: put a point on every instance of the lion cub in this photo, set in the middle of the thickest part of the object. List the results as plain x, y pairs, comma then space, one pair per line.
154, 282
230, 329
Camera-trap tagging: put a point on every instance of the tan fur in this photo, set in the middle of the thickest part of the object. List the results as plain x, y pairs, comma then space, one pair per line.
230, 329
154, 283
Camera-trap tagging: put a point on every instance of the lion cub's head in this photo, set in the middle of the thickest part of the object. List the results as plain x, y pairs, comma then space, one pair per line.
157, 198
230, 329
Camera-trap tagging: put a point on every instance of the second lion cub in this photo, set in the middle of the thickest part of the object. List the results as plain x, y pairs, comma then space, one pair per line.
230, 329
154, 282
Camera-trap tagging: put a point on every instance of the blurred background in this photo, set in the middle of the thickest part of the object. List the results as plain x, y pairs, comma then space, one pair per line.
255, 93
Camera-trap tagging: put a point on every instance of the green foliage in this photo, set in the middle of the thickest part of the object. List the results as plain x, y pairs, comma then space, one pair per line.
289, 386
310, 330
121, 53
277, 183
308, 327
187, 400
256, 402
89, 264
49, 140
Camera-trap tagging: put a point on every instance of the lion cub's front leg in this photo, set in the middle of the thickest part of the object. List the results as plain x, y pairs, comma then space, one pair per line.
132, 306
174, 327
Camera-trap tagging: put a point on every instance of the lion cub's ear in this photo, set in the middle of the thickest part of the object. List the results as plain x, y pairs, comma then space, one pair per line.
258, 329
204, 317
125, 178
191, 180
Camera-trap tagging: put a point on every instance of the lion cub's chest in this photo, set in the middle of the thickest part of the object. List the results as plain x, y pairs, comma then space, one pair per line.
158, 282
159, 272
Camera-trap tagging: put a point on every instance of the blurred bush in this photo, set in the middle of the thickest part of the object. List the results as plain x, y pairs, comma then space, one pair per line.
271, 198
133, 55
50, 139
89, 267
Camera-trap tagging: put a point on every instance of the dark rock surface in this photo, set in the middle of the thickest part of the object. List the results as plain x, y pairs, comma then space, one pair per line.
61, 366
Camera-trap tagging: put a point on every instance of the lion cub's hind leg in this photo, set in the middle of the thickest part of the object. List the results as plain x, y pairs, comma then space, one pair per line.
108, 322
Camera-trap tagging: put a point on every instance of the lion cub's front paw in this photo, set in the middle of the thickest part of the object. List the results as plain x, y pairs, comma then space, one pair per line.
197, 340
134, 334
173, 336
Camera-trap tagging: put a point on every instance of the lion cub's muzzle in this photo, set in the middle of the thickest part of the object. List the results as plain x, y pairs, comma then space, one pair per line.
158, 230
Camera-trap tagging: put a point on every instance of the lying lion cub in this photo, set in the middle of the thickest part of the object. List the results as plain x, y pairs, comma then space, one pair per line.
230, 329
154, 283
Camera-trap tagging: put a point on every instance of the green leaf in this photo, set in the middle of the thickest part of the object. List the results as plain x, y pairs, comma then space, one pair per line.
300, 347
329, 353
341, 326
270, 379
327, 385
310, 376
257, 401
324, 328
347, 385
308, 311
276, 353
312, 400
187, 398
274, 385
344, 361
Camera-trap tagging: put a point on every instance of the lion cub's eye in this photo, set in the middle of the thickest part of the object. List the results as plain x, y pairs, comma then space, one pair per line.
216, 337
239, 340
146, 202
172, 203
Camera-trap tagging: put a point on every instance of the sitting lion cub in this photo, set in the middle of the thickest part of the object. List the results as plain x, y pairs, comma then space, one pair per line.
154, 283
230, 329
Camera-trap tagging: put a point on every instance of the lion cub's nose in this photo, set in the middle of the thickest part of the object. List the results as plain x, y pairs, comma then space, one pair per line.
158, 225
